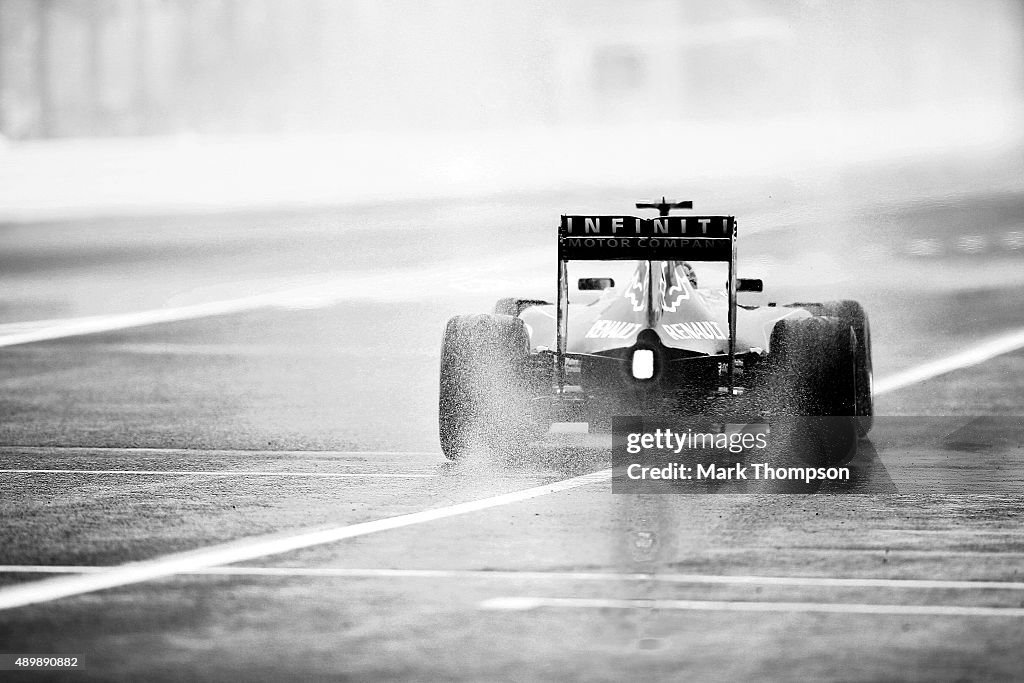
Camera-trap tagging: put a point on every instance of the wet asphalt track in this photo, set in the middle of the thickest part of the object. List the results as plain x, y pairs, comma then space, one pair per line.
319, 414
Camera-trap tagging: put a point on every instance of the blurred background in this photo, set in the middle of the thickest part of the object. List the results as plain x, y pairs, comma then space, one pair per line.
234, 104
83, 68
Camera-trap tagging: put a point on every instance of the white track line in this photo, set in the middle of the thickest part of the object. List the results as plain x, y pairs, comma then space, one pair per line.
980, 353
520, 604
342, 287
469, 574
206, 451
262, 546
73, 327
223, 473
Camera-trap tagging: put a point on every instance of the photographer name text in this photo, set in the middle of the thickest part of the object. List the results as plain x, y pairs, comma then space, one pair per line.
736, 472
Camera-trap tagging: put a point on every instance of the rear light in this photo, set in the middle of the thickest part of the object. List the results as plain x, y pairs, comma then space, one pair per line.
643, 364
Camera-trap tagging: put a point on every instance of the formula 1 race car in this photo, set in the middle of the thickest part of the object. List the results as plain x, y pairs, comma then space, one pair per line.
658, 344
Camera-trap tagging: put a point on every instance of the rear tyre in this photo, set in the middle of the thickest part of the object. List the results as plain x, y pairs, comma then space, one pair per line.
485, 398
852, 313
813, 386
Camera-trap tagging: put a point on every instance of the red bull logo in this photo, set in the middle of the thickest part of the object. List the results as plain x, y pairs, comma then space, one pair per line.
672, 296
636, 291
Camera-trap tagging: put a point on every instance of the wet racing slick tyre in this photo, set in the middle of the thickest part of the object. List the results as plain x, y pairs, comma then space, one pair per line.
813, 385
485, 398
513, 307
852, 313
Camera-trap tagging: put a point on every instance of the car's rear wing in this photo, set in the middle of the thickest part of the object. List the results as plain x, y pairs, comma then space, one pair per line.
666, 238
680, 238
